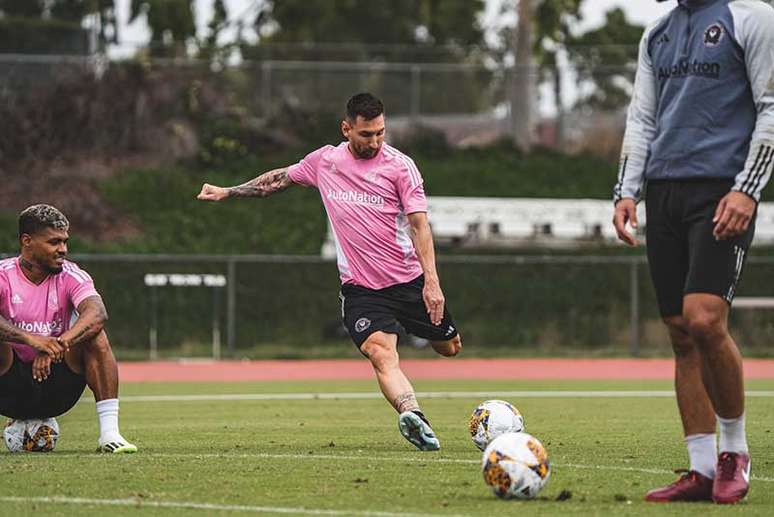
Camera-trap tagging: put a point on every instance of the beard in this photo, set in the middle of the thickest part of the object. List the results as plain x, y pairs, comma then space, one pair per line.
367, 153
53, 270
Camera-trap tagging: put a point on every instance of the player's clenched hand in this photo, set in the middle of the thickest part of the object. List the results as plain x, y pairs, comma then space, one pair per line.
625, 212
733, 215
47, 345
434, 301
212, 193
41, 367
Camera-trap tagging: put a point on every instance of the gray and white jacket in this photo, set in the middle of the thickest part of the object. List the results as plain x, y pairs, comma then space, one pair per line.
703, 101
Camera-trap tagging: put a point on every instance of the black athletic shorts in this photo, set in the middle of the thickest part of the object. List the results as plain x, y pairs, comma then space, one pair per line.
23, 397
366, 311
683, 255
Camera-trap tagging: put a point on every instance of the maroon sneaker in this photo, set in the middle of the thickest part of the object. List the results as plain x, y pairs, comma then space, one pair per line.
732, 480
691, 486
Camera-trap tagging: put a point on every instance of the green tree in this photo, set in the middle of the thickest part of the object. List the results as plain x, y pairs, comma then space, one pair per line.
364, 23
171, 23
554, 20
75, 10
22, 8
607, 57
367, 31
209, 47
42, 26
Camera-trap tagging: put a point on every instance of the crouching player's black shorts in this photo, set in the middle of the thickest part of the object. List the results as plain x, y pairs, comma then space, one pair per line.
366, 311
683, 255
22, 397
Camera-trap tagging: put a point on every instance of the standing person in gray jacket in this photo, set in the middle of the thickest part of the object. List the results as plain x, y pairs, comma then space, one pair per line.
700, 134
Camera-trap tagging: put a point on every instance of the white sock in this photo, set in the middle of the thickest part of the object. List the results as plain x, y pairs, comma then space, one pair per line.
107, 412
703, 453
732, 435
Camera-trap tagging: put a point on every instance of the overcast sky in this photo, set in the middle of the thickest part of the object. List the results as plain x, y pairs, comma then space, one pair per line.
136, 34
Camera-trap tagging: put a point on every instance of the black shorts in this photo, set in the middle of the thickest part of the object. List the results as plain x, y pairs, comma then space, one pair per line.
23, 397
683, 255
366, 311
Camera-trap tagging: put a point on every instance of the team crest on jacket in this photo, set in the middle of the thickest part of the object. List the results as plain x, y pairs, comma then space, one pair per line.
362, 324
713, 35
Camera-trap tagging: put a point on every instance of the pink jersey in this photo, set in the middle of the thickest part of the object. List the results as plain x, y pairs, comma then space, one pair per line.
367, 202
44, 309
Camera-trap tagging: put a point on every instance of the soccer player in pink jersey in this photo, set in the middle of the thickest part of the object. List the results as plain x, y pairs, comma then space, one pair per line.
47, 356
376, 205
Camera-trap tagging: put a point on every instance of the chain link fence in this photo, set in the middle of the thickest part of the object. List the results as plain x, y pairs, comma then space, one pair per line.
468, 103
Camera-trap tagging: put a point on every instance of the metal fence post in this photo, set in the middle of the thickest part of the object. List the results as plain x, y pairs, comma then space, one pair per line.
634, 309
266, 88
416, 92
216, 323
231, 307
153, 332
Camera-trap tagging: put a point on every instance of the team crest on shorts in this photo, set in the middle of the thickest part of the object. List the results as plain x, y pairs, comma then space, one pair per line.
713, 35
362, 324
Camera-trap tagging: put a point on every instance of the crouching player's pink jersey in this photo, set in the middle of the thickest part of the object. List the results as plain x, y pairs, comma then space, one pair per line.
367, 202
44, 309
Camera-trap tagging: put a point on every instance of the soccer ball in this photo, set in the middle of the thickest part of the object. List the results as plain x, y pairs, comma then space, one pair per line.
491, 419
515, 465
34, 435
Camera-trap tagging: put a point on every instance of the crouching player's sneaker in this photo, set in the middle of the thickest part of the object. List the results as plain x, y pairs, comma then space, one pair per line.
691, 486
116, 445
732, 480
415, 428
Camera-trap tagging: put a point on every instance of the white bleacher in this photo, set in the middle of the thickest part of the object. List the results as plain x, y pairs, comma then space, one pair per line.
475, 221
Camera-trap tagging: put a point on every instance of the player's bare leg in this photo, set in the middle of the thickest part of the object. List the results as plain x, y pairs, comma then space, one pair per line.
698, 419
94, 360
381, 349
707, 317
448, 348
693, 401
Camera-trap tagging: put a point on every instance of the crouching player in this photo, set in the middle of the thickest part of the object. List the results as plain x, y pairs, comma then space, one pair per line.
46, 357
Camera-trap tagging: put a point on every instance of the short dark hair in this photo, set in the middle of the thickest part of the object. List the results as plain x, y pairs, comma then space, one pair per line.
364, 105
37, 218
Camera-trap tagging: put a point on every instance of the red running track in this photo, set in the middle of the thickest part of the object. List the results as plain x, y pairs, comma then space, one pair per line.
515, 369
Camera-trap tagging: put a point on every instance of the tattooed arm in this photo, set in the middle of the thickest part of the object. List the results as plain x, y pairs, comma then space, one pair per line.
264, 185
92, 316
9, 333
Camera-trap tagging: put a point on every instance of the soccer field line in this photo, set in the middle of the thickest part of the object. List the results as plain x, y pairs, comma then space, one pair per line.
267, 455
138, 503
214, 397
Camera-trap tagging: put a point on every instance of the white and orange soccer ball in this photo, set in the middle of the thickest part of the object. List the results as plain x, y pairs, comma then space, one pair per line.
33, 435
491, 419
515, 465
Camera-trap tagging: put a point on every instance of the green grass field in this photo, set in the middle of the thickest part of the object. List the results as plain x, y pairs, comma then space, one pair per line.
346, 457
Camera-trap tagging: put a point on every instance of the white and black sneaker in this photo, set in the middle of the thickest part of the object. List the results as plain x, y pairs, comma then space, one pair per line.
116, 445
416, 429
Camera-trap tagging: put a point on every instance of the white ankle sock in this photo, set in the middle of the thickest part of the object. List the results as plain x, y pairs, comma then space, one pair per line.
703, 453
107, 412
732, 435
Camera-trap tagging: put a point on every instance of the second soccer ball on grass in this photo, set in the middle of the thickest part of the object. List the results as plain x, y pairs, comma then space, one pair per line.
493, 418
515, 465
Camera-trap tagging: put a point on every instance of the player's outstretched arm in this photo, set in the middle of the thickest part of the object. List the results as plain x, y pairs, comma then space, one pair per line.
92, 316
422, 238
264, 185
9, 333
